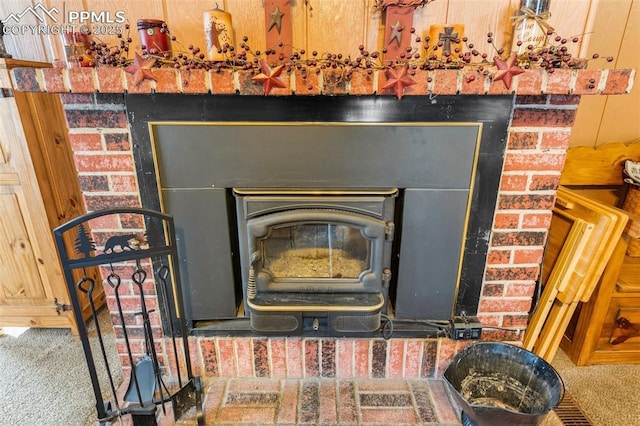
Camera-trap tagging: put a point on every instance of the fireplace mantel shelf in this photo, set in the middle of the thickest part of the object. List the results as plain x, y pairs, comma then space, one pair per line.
328, 82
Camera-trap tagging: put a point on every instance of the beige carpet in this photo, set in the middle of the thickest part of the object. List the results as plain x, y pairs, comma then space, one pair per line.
608, 394
44, 378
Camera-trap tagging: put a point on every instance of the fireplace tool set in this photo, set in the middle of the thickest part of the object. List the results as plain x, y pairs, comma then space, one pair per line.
156, 379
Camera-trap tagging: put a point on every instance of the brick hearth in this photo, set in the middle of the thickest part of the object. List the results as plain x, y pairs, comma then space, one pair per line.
539, 132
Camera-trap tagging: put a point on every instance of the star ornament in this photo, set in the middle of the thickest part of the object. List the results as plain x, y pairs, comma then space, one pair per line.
396, 33
269, 77
507, 69
276, 19
398, 80
141, 69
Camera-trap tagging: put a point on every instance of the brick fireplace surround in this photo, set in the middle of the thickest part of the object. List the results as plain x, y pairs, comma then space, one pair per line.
539, 131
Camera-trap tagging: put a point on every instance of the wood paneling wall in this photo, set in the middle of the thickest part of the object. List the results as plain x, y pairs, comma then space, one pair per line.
604, 119
609, 27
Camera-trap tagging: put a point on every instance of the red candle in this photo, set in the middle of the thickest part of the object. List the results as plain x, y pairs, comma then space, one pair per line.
154, 34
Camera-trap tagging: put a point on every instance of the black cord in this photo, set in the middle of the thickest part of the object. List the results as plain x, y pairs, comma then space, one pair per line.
387, 325
503, 328
387, 328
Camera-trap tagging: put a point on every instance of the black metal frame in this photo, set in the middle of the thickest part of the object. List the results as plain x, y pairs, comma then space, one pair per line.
77, 252
493, 111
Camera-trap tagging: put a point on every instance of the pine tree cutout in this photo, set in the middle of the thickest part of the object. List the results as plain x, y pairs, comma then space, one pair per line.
155, 237
83, 243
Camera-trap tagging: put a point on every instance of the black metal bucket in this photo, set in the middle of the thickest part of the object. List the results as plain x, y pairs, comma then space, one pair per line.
501, 384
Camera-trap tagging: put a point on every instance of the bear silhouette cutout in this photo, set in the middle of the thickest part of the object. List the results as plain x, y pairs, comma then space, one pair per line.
121, 241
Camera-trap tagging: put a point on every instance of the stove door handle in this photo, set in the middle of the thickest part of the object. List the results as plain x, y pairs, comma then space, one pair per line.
251, 281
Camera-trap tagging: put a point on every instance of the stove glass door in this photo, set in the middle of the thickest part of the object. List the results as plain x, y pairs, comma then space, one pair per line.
316, 250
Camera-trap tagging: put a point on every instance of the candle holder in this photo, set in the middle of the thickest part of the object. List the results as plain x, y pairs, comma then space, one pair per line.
530, 27
76, 45
154, 36
3, 50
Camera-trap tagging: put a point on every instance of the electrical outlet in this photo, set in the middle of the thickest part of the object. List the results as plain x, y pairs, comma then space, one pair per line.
465, 328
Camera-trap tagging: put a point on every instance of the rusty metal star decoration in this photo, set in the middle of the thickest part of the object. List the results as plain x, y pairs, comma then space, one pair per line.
507, 69
396, 33
216, 36
398, 79
269, 77
276, 19
141, 69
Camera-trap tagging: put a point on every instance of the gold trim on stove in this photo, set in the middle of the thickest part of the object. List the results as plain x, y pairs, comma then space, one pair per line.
317, 307
307, 191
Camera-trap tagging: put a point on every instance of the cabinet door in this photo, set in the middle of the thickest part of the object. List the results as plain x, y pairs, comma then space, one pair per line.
31, 281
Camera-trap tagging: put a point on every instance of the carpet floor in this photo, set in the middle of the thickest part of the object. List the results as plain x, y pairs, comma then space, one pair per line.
608, 394
44, 381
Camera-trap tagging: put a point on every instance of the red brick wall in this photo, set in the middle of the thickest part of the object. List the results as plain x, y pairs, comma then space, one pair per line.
100, 140
296, 357
536, 148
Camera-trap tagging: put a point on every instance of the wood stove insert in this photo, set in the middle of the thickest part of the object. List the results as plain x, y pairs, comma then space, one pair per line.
321, 256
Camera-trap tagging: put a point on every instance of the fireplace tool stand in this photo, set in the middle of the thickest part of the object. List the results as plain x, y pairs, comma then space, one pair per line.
156, 378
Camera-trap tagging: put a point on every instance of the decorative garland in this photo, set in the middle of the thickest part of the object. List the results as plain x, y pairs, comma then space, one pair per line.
429, 55
383, 4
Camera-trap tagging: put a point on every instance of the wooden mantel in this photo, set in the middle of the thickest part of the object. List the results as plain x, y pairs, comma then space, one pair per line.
327, 82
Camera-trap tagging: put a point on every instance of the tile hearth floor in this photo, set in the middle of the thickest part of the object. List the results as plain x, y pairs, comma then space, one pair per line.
243, 402
313, 401
328, 402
